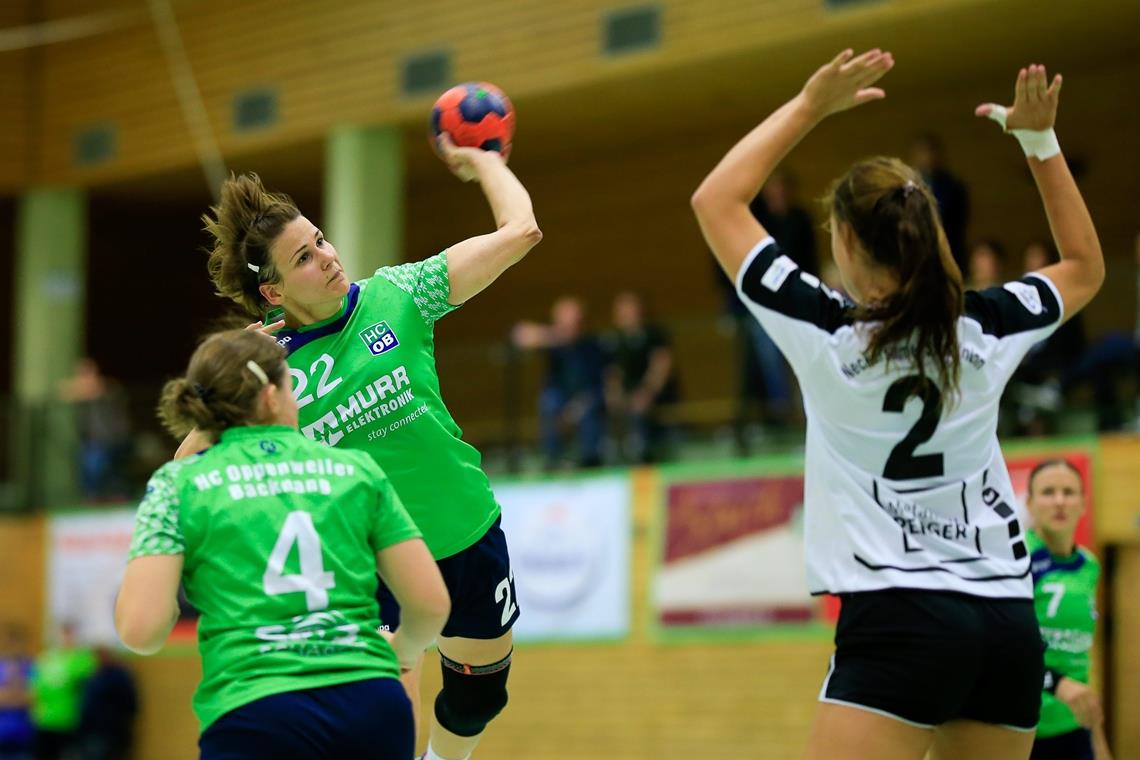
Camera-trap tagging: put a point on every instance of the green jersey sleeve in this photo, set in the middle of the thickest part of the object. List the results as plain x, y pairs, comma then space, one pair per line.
426, 282
390, 521
157, 529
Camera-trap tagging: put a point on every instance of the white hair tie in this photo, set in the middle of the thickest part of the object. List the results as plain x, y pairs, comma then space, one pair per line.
254, 267
257, 371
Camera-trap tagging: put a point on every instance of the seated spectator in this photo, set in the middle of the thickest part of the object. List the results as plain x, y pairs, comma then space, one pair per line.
572, 396
986, 265
640, 378
17, 734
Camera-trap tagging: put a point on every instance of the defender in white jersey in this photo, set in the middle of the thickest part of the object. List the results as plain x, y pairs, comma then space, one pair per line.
909, 514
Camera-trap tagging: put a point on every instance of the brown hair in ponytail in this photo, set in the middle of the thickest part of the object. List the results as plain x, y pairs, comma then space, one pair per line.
220, 390
244, 225
895, 218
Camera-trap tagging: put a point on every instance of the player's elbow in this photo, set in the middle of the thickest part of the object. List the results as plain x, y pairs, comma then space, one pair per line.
522, 236
432, 609
140, 635
529, 233
142, 628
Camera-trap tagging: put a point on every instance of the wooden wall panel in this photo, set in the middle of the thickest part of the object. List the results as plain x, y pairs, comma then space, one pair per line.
15, 111
22, 580
1125, 736
1118, 501
338, 63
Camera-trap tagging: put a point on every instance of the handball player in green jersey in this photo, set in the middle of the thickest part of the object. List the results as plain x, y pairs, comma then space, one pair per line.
1064, 589
361, 357
278, 542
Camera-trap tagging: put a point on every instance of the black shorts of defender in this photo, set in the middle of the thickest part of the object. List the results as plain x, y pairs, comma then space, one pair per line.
1074, 745
929, 657
370, 718
481, 586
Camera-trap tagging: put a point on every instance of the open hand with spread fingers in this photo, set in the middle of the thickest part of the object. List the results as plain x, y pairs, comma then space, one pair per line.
846, 81
1034, 102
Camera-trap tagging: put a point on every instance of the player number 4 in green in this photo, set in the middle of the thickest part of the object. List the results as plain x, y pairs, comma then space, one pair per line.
313, 579
1057, 591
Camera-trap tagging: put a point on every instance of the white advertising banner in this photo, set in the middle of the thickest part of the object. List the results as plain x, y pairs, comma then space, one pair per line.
570, 554
86, 555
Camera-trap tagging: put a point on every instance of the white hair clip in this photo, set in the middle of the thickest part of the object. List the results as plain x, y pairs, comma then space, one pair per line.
254, 267
258, 372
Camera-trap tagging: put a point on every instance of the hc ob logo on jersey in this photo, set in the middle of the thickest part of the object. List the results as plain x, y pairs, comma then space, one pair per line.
379, 338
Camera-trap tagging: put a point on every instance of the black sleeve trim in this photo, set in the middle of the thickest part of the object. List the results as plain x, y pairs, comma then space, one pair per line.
772, 280
1031, 303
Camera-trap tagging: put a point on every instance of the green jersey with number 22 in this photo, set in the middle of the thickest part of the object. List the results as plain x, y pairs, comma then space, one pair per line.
366, 379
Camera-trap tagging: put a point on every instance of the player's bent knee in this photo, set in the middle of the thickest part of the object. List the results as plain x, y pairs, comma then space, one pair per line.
471, 695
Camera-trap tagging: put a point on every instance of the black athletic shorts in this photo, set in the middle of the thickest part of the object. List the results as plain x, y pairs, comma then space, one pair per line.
1075, 745
928, 657
482, 589
370, 718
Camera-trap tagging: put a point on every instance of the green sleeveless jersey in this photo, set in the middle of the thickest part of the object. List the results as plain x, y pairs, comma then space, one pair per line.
366, 379
1064, 595
279, 538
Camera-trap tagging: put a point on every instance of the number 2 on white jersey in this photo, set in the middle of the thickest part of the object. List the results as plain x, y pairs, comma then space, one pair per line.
313, 579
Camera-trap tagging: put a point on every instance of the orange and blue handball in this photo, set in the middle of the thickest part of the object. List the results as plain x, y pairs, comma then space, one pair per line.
475, 115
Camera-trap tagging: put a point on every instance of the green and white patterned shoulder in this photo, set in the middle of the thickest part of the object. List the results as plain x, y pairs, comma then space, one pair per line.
426, 282
157, 529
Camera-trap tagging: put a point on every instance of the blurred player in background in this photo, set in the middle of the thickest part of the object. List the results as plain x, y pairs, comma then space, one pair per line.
908, 500
363, 365
293, 662
1064, 584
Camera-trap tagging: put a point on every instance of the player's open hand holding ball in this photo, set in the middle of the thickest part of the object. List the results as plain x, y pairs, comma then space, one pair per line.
464, 162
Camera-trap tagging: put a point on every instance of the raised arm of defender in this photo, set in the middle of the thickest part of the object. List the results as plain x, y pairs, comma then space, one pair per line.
721, 201
1080, 273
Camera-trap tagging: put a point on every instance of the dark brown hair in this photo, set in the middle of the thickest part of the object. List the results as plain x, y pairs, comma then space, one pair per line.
220, 390
895, 218
244, 224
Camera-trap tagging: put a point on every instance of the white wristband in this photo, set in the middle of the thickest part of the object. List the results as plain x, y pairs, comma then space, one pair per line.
1036, 143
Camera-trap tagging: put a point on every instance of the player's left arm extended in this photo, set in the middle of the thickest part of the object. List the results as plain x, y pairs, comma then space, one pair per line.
475, 263
147, 607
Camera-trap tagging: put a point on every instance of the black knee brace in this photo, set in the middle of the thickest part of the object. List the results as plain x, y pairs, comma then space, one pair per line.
472, 695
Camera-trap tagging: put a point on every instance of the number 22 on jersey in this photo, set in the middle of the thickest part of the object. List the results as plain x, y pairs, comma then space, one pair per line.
324, 385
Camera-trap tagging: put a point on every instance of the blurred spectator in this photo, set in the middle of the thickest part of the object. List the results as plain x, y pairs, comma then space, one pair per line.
17, 734
640, 378
986, 266
950, 192
57, 684
110, 704
764, 374
1036, 388
778, 209
572, 397
102, 417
